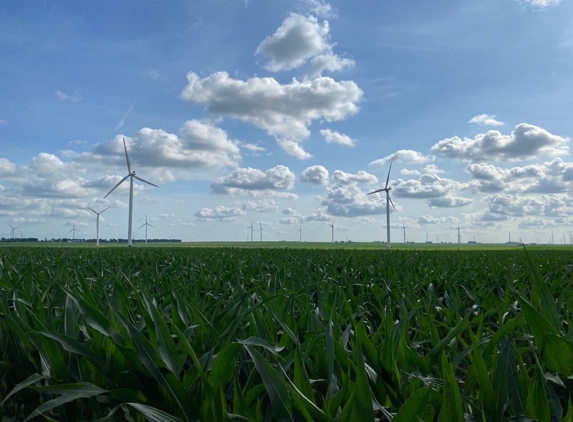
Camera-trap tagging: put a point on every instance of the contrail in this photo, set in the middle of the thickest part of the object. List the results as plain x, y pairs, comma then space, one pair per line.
122, 121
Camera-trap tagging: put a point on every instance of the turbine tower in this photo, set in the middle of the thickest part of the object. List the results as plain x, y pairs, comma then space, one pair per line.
387, 189
300, 233
13, 230
459, 237
146, 224
261, 230
252, 229
97, 222
332, 229
73, 231
131, 175
404, 230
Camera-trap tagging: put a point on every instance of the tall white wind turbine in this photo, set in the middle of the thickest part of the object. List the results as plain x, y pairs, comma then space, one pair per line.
300, 233
387, 189
404, 230
131, 175
261, 230
459, 237
332, 228
97, 221
73, 231
146, 225
252, 230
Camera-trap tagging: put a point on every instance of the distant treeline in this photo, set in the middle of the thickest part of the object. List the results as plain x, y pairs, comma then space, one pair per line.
66, 240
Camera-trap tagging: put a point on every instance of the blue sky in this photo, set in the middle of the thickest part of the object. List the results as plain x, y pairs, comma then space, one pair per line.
285, 112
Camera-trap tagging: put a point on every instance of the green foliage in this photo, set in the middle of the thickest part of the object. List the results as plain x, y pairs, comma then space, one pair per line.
262, 335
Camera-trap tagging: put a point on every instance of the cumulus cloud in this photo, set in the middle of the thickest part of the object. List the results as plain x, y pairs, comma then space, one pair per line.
503, 206
428, 219
274, 182
318, 216
426, 187
253, 148
289, 211
283, 111
342, 178
407, 172
199, 146
351, 201
525, 142
549, 177
404, 156
449, 202
298, 40
290, 220
485, 120
337, 138
220, 213
262, 206
74, 98
317, 175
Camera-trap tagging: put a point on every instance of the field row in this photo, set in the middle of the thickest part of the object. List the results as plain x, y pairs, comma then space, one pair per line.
216, 334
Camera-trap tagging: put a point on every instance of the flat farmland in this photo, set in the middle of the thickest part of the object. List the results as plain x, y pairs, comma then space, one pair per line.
205, 333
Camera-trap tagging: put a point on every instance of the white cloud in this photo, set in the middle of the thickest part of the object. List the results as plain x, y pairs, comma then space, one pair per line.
342, 178
289, 211
449, 202
407, 172
284, 111
351, 201
317, 175
320, 8
220, 213
485, 120
298, 40
426, 187
525, 142
200, 145
503, 206
290, 220
433, 169
404, 156
428, 219
542, 4
74, 98
337, 138
318, 216
278, 179
262, 205
253, 148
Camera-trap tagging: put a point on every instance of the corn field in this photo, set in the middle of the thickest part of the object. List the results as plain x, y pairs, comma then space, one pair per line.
224, 334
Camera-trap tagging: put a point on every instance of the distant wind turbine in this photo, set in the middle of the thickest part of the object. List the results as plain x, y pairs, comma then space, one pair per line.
261, 230
459, 236
300, 233
252, 230
131, 175
387, 189
97, 221
13, 230
404, 230
73, 231
146, 225
332, 227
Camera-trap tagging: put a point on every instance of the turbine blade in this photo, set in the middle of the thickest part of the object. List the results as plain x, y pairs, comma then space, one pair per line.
91, 209
119, 183
126, 156
141, 226
388, 178
144, 181
104, 209
392, 203
151, 225
376, 191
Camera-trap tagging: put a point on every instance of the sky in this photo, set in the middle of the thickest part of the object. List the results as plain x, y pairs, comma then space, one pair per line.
284, 115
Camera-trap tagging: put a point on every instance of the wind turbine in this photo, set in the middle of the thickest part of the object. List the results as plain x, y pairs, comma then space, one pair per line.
332, 229
387, 189
97, 221
146, 224
131, 175
404, 230
73, 231
459, 237
300, 233
13, 229
261, 230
